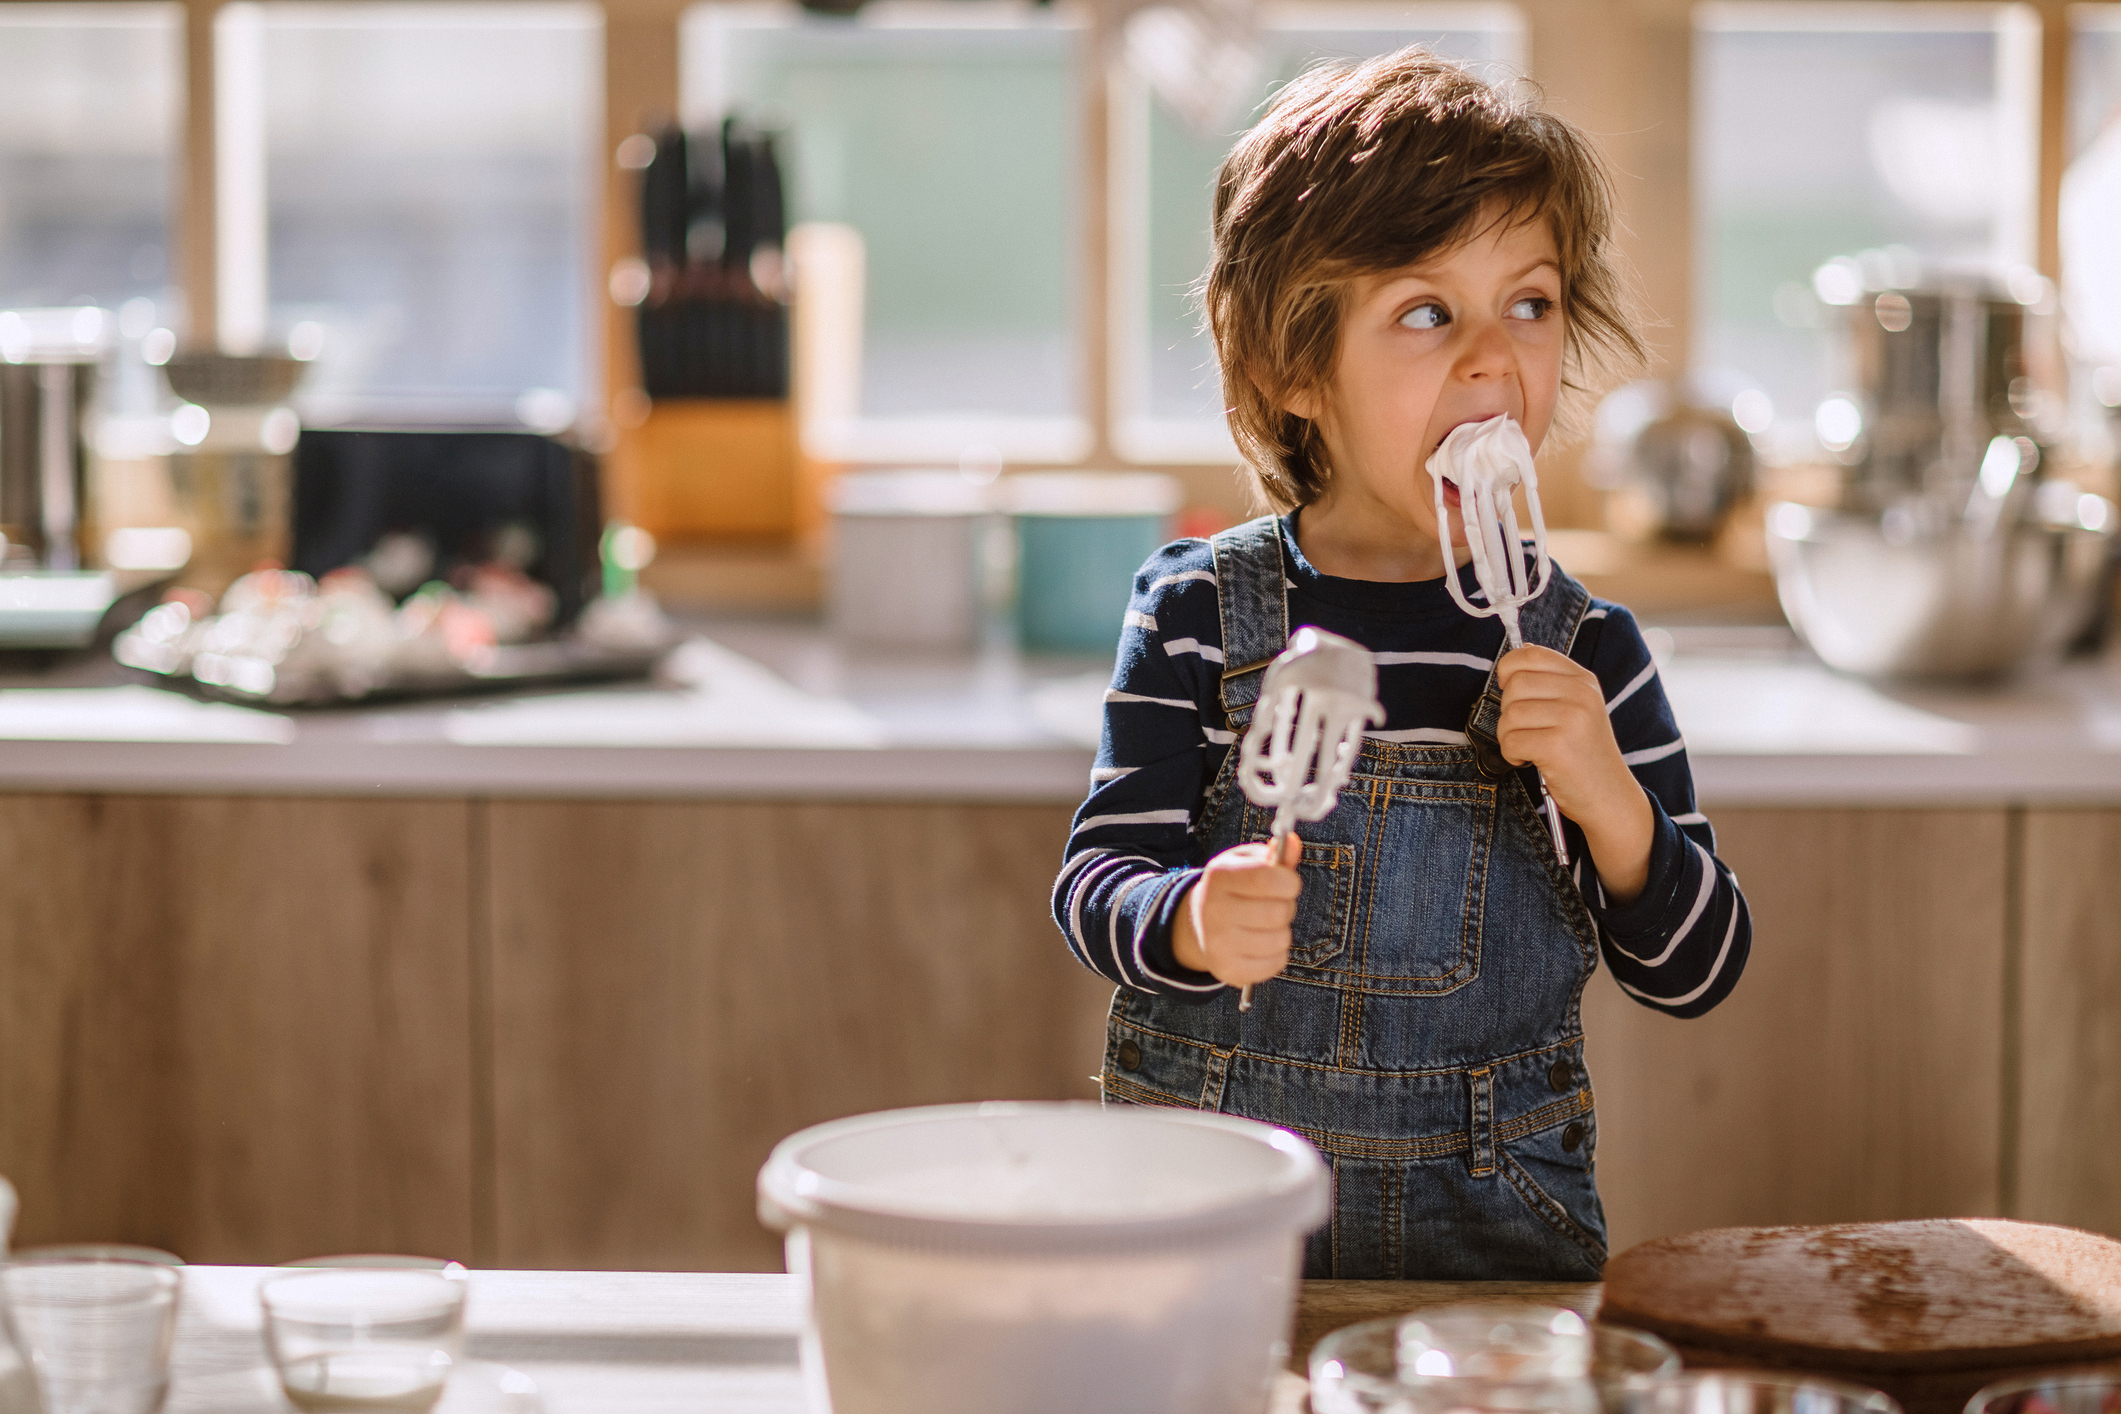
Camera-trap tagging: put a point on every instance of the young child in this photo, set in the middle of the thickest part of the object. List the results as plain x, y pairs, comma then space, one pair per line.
1400, 248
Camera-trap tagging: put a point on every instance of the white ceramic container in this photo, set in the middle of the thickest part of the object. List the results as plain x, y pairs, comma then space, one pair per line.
906, 558
1044, 1258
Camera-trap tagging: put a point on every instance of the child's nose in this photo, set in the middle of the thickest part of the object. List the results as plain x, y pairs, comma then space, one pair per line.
1485, 351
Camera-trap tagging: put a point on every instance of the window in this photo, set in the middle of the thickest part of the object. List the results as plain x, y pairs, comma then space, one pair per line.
946, 133
91, 97
1166, 390
2090, 221
413, 189
1825, 130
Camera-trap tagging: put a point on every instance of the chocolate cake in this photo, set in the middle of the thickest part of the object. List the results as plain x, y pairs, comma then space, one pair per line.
1927, 1311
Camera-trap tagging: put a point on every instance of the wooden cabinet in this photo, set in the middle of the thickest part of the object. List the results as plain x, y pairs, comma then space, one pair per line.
1857, 1072
2064, 1003
565, 1034
676, 987
237, 1028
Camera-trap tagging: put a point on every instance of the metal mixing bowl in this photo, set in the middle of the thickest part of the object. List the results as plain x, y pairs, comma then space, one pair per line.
1890, 597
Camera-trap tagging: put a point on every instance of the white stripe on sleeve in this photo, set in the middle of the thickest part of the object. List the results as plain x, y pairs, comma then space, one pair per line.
1137, 619
1193, 645
1138, 817
1721, 956
1595, 614
1082, 886
1629, 691
1441, 660
1113, 694
1204, 576
1112, 773
1441, 736
1651, 753
1701, 901
1142, 967
1694, 817
1112, 923
1218, 736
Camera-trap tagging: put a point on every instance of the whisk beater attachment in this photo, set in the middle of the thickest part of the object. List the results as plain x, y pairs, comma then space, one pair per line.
1306, 732
1487, 461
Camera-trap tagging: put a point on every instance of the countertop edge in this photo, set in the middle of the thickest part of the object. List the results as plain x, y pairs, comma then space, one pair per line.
1056, 775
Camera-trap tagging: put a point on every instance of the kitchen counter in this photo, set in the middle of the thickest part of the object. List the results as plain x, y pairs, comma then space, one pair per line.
618, 1342
540, 980
778, 710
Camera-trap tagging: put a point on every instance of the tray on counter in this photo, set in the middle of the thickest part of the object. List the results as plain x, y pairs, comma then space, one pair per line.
552, 662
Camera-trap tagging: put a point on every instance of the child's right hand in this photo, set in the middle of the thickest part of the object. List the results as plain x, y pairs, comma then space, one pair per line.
1234, 922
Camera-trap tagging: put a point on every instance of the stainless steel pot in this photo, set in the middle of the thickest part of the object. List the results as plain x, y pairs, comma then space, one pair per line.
48, 360
1935, 365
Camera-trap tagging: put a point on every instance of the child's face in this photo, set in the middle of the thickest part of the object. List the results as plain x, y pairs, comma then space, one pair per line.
1460, 337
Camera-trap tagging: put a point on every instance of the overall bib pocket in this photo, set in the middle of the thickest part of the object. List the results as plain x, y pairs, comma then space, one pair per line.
1394, 886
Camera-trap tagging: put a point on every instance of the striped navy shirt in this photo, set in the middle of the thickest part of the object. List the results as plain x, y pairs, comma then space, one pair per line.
1678, 947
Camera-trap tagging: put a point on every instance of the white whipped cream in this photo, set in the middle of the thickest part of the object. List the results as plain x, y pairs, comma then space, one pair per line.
1492, 453
1487, 461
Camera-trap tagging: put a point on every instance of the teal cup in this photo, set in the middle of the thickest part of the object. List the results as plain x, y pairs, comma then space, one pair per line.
1080, 538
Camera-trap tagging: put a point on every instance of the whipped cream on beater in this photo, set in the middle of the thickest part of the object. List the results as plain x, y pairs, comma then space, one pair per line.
1486, 461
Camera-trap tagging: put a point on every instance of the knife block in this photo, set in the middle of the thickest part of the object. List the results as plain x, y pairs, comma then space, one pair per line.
709, 469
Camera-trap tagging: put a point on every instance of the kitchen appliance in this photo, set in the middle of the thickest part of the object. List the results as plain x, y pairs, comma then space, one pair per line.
1080, 536
416, 506
1044, 1258
1954, 553
232, 470
46, 382
908, 558
51, 596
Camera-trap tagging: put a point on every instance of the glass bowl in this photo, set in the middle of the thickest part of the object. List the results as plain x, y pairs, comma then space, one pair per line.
2085, 1391
1356, 1371
1750, 1392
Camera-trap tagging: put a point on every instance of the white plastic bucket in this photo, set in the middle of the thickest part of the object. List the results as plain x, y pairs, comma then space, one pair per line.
1044, 1258
906, 562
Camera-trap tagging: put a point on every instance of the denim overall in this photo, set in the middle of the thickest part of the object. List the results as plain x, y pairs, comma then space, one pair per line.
1427, 1033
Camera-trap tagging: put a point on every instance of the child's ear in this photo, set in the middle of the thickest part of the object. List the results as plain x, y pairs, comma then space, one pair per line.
1305, 403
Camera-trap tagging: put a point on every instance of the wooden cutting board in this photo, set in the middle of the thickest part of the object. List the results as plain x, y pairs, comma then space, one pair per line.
1927, 1311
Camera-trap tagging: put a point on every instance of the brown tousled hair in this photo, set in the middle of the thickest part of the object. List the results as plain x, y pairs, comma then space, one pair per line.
1357, 169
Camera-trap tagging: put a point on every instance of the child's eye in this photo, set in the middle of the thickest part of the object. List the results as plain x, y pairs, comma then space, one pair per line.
1537, 307
1426, 316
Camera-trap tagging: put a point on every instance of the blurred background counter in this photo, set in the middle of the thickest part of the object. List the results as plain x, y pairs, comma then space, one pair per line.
539, 985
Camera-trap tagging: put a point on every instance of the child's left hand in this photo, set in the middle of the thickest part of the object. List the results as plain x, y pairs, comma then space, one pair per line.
1554, 717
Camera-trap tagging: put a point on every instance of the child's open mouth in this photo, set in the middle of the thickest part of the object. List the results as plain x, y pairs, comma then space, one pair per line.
1450, 493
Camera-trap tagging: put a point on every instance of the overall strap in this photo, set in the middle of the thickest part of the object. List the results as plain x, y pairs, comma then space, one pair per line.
1249, 594
1550, 621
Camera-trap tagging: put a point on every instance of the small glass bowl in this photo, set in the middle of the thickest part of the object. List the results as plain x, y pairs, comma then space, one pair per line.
352, 1338
2081, 1391
1751, 1392
1356, 1370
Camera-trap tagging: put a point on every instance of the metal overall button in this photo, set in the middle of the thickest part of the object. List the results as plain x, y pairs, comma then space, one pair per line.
1560, 1076
1130, 1057
1572, 1138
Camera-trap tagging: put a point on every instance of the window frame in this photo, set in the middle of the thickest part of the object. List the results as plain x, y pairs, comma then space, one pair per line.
1137, 435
